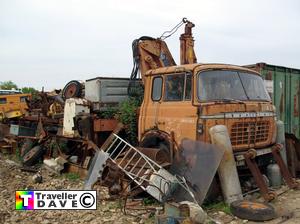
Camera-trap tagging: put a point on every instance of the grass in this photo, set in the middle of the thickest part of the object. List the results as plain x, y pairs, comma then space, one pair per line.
71, 176
149, 201
220, 206
115, 205
150, 220
14, 157
18, 155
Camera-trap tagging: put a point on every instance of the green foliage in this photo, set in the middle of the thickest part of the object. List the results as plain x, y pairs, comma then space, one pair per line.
220, 206
115, 205
18, 154
109, 113
128, 116
8, 85
149, 201
71, 176
63, 145
151, 219
34, 93
29, 90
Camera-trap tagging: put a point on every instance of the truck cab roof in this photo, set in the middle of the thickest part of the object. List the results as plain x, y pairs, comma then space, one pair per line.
196, 67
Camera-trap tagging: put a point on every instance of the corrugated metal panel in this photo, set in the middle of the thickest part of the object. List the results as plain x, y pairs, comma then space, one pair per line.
285, 93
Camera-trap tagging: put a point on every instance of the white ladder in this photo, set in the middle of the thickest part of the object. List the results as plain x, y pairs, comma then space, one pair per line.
146, 173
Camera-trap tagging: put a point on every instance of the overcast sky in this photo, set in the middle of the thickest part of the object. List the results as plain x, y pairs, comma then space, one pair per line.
50, 42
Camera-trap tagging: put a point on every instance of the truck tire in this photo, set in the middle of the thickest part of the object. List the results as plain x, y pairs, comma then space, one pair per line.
33, 156
72, 89
253, 211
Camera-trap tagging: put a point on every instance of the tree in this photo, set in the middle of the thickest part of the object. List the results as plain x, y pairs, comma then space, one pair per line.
29, 90
8, 85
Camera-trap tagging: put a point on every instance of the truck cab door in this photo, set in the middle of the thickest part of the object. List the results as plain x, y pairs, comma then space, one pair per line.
148, 117
176, 112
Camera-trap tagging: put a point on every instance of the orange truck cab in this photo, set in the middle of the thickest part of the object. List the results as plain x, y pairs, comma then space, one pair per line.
187, 100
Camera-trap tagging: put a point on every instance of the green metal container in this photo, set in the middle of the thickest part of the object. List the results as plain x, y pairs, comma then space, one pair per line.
283, 85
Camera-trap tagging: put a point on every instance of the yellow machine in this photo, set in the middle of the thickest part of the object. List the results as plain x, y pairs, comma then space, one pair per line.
12, 104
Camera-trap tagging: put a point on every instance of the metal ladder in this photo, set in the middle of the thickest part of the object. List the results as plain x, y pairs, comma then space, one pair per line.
146, 173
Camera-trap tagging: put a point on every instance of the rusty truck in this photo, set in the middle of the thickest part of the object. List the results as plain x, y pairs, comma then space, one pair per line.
186, 100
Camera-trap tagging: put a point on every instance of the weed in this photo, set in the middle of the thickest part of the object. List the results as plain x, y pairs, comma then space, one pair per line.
220, 206
149, 201
115, 205
128, 116
18, 155
71, 176
109, 113
150, 220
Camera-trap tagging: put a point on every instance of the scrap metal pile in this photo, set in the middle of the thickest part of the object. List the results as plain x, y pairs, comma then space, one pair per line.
58, 124
194, 120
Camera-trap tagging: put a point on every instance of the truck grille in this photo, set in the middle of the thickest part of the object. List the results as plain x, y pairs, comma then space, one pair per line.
246, 133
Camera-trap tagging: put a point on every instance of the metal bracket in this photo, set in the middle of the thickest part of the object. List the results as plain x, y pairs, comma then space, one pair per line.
258, 177
283, 168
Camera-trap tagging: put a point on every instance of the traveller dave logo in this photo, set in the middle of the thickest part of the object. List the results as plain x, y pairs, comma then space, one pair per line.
24, 200
56, 200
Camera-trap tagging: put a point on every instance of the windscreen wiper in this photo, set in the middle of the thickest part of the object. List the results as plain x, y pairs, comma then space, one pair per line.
233, 100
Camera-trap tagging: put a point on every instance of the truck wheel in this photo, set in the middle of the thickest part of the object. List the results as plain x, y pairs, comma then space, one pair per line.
163, 146
33, 155
72, 89
27, 145
253, 211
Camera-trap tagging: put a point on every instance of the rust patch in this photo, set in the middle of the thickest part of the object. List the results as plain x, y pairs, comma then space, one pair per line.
296, 103
253, 205
269, 75
281, 106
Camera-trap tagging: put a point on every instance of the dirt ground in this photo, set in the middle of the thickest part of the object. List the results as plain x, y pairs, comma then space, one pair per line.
287, 207
109, 211
12, 179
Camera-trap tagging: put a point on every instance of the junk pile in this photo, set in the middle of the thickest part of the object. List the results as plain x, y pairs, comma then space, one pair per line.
68, 132
7, 143
61, 123
127, 171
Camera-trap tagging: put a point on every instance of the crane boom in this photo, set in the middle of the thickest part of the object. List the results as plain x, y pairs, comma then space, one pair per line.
151, 53
187, 53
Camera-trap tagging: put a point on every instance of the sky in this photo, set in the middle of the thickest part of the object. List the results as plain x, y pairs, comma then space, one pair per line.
47, 43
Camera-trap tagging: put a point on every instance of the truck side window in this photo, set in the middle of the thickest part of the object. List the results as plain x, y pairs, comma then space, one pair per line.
156, 89
23, 99
188, 86
3, 101
174, 87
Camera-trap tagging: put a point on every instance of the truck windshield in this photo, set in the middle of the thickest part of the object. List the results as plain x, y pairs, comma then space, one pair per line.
225, 85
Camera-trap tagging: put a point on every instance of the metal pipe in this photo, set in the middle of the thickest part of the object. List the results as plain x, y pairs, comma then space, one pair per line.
280, 138
227, 170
